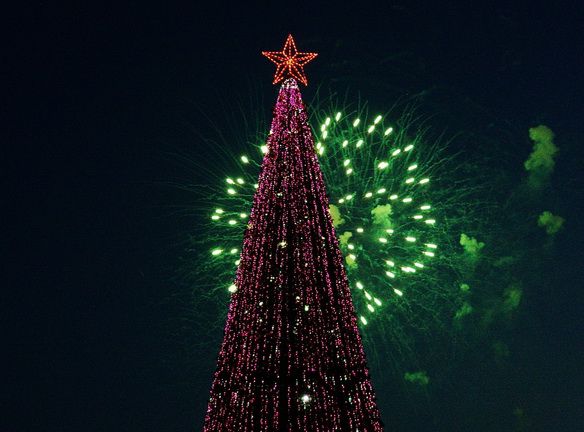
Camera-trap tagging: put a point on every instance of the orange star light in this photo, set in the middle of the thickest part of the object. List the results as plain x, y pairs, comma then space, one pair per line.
289, 62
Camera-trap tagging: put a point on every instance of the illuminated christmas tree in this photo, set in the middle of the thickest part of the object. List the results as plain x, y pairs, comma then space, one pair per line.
292, 357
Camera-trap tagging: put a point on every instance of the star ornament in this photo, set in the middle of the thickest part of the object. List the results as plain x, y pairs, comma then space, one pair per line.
289, 62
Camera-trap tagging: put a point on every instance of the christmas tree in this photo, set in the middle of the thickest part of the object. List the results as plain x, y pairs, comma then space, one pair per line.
292, 357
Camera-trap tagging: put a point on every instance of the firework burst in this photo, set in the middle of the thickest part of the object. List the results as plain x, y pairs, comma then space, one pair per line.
399, 202
391, 219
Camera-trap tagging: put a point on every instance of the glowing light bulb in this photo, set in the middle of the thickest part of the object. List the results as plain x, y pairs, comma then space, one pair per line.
424, 181
346, 162
245, 159
359, 143
371, 308
393, 197
396, 152
264, 149
377, 119
382, 165
382, 190
370, 129
359, 285
338, 116
368, 194
356, 122
412, 167
231, 191
230, 181
410, 239
388, 131
382, 240
359, 230
216, 252
398, 292
363, 320
232, 288
408, 148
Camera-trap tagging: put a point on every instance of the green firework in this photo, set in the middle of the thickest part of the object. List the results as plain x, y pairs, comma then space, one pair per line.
398, 206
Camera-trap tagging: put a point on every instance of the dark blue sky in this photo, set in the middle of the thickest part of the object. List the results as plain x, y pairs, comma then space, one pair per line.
99, 95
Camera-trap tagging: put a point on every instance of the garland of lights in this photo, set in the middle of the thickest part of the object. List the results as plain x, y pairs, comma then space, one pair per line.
292, 357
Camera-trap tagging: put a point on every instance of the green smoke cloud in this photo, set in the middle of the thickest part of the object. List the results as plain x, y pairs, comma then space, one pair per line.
512, 297
471, 245
420, 377
381, 215
464, 287
505, 261
503, 307
551, 222
344, 238
336, 215
464, 310
351, 262
540, 163
344, 241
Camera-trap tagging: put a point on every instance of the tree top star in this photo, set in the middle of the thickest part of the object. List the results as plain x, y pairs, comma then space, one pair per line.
289, 62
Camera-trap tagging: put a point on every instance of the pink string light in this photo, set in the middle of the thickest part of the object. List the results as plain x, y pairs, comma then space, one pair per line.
292, 358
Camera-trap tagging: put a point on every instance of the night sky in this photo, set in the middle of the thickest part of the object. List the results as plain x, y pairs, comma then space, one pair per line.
106, 105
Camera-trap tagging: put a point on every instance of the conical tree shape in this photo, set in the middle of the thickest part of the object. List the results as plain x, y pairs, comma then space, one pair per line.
292, 357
